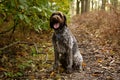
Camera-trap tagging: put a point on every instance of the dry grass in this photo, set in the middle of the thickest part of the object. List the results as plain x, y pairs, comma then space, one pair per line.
102, 27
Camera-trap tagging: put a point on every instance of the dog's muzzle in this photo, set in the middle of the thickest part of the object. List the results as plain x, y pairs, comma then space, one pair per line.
56, 21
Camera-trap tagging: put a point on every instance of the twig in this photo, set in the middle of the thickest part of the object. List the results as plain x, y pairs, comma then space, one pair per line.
7, 46
36, 48
46, 58
14, 28
3, 32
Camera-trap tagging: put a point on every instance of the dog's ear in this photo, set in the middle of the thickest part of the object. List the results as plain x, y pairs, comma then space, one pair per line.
51, 23
65, 19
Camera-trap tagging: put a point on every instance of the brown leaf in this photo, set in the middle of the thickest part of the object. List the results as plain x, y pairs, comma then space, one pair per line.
3, 69
52, 74
83, 64
96, 75
99, 60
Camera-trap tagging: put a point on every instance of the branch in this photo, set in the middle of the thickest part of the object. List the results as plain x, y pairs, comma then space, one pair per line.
36, 48
7, 46
7, 30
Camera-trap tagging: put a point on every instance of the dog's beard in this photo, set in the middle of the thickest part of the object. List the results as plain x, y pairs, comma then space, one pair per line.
56, 25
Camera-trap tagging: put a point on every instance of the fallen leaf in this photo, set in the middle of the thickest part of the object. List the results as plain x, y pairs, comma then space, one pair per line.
83, 64
42, 70
2, 69
99, 60
52, 74
96, 75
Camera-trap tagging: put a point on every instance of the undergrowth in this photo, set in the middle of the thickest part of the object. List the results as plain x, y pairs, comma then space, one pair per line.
103, 27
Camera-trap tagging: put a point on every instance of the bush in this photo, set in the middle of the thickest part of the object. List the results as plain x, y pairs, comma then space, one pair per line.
33, 14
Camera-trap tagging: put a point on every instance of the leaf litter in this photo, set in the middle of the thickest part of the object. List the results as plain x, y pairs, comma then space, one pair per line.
98, 40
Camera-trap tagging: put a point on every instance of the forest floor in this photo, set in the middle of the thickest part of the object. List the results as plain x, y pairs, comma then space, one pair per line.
100, 62
32, 57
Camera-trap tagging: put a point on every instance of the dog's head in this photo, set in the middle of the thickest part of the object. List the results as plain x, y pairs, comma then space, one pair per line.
57, 20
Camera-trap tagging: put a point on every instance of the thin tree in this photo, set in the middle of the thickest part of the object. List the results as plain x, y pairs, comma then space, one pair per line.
77, 7
114, 3
82, 6
87, 5
103, 4
92, 4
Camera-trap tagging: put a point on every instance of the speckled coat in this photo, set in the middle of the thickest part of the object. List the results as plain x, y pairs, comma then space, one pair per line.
66, 49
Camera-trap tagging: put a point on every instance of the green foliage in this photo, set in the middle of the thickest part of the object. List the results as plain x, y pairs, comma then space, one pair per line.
61, 5
33, 51
13, 75
32, 13
19, 70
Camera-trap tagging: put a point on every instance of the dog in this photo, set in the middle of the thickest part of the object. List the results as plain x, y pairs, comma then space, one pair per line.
66, 50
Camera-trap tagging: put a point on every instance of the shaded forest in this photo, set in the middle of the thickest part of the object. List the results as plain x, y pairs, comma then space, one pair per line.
26, 50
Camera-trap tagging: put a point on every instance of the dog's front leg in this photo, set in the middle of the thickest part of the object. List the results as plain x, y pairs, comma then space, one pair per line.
56, 53
69, 60
56, 60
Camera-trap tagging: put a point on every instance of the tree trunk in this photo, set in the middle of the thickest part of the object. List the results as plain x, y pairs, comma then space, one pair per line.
115, 4
87, 5
77, 7
92, 4
82, 6
103, 4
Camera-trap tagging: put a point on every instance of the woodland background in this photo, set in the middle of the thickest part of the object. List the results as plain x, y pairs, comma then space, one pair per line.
26, 51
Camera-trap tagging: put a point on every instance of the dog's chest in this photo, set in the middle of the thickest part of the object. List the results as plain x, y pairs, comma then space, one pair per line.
61, 42
64, 42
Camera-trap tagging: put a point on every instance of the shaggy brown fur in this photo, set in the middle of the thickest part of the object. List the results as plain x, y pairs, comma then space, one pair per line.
66, 50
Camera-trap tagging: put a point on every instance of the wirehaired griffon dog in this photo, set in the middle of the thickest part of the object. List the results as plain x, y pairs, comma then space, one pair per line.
66, 50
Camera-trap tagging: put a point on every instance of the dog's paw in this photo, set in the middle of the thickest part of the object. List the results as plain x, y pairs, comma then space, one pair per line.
69, 70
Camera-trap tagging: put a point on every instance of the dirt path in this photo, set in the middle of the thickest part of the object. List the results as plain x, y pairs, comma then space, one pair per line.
98, 64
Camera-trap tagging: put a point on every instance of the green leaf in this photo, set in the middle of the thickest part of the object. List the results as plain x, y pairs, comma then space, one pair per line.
22, 1
18, 74
37, 8
21, 16
22, 7
27, 20
13, 3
